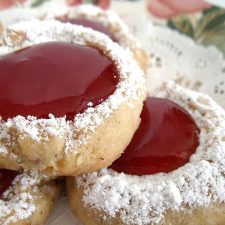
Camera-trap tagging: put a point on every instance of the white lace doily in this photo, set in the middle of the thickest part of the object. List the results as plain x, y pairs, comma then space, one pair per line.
177, 57
171, 56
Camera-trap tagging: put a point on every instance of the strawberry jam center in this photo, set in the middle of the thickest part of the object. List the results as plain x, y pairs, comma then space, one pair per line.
91, 24
164, 141
54, 78
6, 179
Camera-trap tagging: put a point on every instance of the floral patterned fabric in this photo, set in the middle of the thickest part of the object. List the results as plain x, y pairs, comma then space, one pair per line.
197, 19
10, 3
171, 8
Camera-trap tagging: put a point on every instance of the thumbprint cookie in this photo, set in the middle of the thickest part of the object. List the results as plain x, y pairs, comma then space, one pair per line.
171, 173
26, 198
70, 98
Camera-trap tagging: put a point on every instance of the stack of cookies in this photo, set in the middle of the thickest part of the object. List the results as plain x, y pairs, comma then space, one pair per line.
74, 106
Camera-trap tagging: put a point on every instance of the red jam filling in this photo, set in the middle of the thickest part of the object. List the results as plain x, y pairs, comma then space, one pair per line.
164, 141
54, 78
6, 179
91, 24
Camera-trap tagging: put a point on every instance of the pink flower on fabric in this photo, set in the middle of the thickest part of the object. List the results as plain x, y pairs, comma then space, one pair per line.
101, 3
9, 3
74, 2
170, 8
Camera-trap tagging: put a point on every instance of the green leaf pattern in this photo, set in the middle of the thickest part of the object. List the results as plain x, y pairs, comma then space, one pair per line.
208, 30
36, 3
183, 24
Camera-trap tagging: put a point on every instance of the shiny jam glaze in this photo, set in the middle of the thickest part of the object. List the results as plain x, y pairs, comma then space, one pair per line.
164, 141
91, 24
6, 179
54, 78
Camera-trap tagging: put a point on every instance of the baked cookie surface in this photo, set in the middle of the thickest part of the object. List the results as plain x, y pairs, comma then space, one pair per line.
26, 198
191, 194
92, 139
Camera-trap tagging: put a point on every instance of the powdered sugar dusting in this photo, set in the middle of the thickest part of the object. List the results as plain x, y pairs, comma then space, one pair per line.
140, 200
106, 17
131, 85
17, 201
